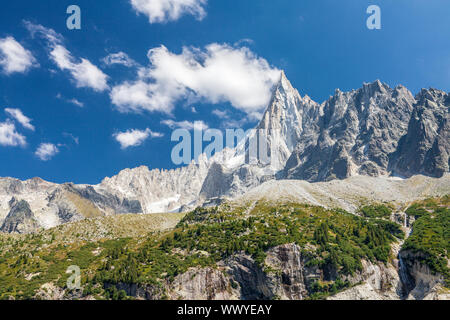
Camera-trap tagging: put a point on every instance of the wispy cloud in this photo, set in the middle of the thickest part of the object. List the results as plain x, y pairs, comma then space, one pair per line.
188, 125
161, 11
46, 151
245, 80
18, 115
9, 136
120, 58
76, 102
71, 136
220, 113
14, 57
135, 137
83, 72
73, 101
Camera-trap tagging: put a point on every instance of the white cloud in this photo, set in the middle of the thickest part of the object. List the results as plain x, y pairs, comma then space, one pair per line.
135, 137
20, 117
220, 73
14, 57
197, 125
46, 151
73, 101
161, 11
76, 102
83, 72
49, 34
120, 58
9, 136
220, 114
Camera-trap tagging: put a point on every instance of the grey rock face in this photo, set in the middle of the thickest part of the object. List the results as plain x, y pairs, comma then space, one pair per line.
288, 119
216, 183
158, 190
286, 276
221, 181
20, 218
419, 280
425, 148
357, 133
107, 201
290, 278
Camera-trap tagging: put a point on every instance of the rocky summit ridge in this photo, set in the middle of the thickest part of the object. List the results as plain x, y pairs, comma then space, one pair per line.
374, 131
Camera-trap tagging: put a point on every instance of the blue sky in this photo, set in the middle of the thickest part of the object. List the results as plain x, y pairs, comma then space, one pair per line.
72, 111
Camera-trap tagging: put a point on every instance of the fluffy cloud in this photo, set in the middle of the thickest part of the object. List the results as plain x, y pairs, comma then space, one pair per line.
20, 117
120, 58
197, 125
46, 151
135, 137
14, 57
220, 73
160, 11
9, 136
83, 72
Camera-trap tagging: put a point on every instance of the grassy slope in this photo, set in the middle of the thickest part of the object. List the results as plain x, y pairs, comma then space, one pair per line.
151, 249
29, 261
202, 238
84, 206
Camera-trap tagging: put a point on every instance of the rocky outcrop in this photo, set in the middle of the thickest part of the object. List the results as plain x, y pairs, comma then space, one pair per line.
20, 218
375, 282
203, 284
420, 282
253, 282
285, 275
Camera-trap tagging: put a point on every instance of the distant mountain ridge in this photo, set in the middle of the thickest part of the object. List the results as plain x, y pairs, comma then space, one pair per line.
372, 131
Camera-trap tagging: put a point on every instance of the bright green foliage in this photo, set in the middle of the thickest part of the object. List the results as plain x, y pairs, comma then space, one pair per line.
431, 235
329, 240
376, 211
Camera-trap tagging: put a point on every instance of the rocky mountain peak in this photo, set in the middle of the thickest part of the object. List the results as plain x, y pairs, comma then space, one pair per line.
376, 86
432, 95
284, 84
286, 118
20, 218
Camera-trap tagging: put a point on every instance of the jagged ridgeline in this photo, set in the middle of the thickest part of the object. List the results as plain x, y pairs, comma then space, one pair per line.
372, 132
260, 250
